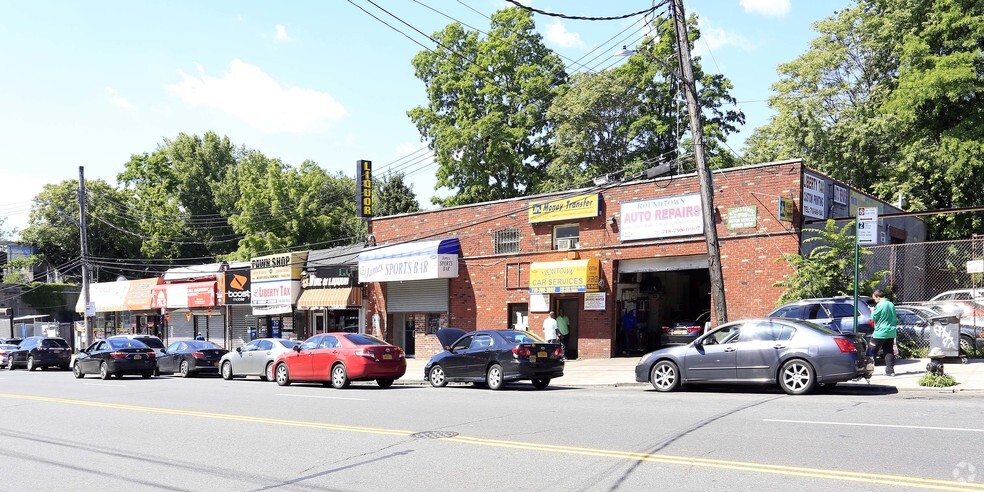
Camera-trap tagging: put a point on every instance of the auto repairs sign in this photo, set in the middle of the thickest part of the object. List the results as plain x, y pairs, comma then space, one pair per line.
661, 217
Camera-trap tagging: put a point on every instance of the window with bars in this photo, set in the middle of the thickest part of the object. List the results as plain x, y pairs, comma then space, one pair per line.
506, 241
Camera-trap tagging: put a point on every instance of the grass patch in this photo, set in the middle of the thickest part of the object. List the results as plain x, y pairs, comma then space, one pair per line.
934, 380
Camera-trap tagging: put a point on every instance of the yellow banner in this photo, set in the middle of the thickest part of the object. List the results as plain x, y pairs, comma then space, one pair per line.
556, 277
575, 207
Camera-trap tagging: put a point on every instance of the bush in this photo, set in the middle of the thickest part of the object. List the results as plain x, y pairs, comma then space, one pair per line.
910, 350
934, 380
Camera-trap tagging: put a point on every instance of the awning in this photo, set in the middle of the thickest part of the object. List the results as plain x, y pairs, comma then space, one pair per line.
419, 260
339, 298
138, 298
556, 277
268, 310
178, 274
184, 295
31, 317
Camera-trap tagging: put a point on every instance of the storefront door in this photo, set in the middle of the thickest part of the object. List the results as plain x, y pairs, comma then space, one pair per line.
570, 308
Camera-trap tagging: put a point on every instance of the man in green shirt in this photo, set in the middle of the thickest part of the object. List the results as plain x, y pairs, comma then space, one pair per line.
564, 328
886, 323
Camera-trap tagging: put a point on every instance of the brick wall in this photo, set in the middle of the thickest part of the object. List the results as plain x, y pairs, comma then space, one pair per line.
487, 282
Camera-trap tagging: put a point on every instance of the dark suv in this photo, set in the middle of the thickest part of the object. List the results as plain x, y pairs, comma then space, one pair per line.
35, 352
836, 313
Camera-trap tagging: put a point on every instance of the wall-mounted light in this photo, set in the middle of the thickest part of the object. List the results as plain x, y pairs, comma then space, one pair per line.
614, 220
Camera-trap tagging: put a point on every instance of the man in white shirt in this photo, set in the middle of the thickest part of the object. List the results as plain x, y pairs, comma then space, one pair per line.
550, 328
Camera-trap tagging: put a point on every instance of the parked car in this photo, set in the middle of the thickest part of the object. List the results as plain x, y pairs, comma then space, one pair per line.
915, 321
494, 357
148, 340
340, 358
190, 357
5, 349
796, 354
43, 352
115, 356
959, 295
11, 341
256, 358
835, 313
684, 332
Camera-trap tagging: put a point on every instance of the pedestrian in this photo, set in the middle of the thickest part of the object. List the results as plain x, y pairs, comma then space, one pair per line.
629, 330
886, 324
550, 328
200, 336
564, 329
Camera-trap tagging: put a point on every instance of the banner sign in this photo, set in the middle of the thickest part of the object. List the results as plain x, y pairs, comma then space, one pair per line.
743, 217
841, 195
575, 207
565, 276
237, 287
814, 197
661, 217
363, 185
785, 209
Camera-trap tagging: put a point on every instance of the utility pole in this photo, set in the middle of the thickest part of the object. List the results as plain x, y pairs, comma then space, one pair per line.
703, 171
84, 243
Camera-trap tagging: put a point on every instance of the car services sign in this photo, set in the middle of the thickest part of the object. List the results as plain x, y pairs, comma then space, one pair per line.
661, 217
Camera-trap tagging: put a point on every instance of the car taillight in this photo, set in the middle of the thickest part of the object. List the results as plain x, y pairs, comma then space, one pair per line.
118, 355
365, 353
666, 329
558, 352
198, 355
845, 345
693, 329
400, 354
151, 355
519, 351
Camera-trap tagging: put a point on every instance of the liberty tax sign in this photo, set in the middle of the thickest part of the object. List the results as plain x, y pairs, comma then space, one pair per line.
661, 217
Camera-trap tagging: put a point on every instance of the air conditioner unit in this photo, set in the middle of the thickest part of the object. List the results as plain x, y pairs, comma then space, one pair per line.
567, 243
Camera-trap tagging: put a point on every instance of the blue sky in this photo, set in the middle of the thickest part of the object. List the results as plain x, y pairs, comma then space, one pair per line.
90, 83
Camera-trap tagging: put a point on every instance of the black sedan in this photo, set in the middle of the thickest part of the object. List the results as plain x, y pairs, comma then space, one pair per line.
494, 357
115, 357
40, 352
190, 357
796, 354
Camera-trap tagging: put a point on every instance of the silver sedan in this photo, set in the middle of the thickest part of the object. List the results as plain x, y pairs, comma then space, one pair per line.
255, 358
796, 354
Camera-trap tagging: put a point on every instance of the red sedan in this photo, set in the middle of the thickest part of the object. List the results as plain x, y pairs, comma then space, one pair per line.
340, 358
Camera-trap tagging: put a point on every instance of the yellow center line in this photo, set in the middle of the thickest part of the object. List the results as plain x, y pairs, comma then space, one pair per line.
793, 471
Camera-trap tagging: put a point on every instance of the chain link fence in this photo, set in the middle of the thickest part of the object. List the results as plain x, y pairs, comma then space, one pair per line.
941, 277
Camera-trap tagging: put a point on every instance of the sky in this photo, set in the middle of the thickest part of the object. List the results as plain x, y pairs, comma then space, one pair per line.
92, 83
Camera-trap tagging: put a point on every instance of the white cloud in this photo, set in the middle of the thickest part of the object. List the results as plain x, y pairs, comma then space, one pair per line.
249, 93
776, 8
557, 34
117, 100
713, 38
281, 34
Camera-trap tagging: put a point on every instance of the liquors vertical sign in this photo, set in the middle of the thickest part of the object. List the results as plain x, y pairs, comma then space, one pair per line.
364, 179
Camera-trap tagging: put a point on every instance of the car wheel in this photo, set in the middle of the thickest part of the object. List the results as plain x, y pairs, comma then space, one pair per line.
77, 371
185, 369
267, 372
104, 371
30, 363
494, 377
10, 364
665, 376
147, 374
65, 367
437, 377
227, 370
966, 346
796, 377
384, 383
283, 376
541, 383
339, 376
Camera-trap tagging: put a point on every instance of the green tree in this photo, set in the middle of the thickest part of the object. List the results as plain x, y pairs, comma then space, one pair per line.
392, 195
829, 268
487, 96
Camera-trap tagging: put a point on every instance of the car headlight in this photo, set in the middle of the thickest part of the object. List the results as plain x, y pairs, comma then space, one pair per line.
644, 359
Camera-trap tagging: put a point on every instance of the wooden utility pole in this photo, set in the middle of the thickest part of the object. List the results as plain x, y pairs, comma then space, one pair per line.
84, 243
703, 171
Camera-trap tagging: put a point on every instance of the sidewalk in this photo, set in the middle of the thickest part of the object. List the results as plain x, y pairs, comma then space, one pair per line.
620, 372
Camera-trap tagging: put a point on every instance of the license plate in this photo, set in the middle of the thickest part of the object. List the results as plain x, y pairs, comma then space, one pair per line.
542, 355
216, 364
137, 357
680, 332
387, 357
532, 358
57, 351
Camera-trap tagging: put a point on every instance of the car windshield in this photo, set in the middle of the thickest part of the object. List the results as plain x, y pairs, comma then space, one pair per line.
200, 345
124, 343
287, 343
520, 337
152, 342
54, 343
362, 339
8, 347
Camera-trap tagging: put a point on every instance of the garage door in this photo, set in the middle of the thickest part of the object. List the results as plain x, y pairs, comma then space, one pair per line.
663, 264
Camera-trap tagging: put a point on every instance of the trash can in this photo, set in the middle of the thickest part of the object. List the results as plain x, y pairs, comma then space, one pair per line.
944, 341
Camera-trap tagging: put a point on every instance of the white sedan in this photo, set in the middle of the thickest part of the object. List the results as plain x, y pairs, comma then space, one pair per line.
254, 359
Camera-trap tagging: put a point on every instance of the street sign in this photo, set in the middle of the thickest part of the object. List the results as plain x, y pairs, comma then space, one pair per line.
90, 309
867, 225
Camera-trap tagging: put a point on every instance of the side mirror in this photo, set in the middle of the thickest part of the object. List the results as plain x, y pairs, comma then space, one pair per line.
297, 348
239, 349
163, 351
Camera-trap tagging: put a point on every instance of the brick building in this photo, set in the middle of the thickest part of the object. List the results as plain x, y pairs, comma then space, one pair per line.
595, 254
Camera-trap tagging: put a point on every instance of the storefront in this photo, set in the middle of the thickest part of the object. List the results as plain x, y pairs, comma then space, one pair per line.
189, 309
556, 286
415, 287
275, 285
234, 290
331, 297
109, 299
140, 316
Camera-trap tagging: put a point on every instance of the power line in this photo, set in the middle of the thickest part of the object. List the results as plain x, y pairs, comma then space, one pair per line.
578, 17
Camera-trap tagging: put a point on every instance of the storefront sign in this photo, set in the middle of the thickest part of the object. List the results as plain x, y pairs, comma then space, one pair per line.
107, 296
840, 195
785, 209
565, 276
237, 287
594, 301
184, 295
661, 217
277, 292
284, 266
420, 260
364, 178
328, 277
814, 196
575, 207
743, 217
138, 297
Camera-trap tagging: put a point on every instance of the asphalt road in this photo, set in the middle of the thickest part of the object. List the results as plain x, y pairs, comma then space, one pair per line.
59, 433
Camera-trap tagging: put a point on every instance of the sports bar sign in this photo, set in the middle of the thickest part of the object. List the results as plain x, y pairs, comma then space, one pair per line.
661, 217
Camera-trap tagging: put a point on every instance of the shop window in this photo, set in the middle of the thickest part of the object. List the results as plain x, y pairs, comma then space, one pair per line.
506, 240
433, 323
566, 236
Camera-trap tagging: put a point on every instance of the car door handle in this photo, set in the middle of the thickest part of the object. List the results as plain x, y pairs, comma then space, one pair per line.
730, 349
779, 346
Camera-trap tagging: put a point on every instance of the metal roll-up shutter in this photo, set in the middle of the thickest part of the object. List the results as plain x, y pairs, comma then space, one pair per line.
215, 331
179, 326
240, 319
417, 296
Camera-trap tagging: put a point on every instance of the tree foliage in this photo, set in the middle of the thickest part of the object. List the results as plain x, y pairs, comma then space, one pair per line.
486, 100
888, 98
392, 195
829, 268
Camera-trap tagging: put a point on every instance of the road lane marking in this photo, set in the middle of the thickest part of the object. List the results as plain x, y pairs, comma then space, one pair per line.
325, 397
793, 471
109, 385
859, 424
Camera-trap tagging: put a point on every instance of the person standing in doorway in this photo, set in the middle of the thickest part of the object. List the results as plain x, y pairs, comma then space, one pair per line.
564, 329
886, 324
550, 328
